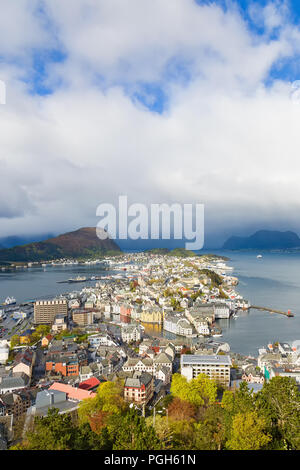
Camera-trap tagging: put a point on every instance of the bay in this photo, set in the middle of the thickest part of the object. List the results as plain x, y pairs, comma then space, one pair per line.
272, 281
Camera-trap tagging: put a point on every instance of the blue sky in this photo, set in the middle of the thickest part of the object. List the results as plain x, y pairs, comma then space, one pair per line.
175, 101
178, 69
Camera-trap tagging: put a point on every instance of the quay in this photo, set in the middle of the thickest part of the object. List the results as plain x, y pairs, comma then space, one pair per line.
271, 310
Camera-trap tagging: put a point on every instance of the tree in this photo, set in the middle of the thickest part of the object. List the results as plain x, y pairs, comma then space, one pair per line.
239, 400
279, 401
200, 391
248, 432
210, 432
14, 341
42, 330
130, 432
52, 432
163, 431
179, 410
109, 399
98, 421
183, 434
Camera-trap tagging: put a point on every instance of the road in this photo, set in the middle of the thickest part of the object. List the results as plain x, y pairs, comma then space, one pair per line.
8, 326
39, 365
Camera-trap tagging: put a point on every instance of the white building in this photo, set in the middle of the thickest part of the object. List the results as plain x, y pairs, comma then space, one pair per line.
4, 351
102, 340
178, 325
215, 367
222, 310
202, 327
131, 333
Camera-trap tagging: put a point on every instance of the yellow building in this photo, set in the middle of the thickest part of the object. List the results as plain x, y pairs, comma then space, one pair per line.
152, 316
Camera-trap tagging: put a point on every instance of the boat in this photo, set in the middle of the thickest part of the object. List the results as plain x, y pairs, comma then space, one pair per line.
78, 279
216, 332
9, 301
259, 256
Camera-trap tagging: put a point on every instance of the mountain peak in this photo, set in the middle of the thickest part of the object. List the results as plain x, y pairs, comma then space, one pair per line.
264, 240
82, 242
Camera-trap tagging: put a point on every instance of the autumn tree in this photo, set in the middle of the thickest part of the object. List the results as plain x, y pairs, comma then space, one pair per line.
248, 432
179, 410
109, 400
200, 391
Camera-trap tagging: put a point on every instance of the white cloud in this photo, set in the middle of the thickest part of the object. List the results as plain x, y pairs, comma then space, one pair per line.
225, 139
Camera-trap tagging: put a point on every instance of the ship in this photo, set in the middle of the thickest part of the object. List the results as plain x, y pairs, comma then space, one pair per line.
78, 279
259, 256
9, 301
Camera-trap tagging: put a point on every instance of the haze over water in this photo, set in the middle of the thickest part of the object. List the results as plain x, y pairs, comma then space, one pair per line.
273, 281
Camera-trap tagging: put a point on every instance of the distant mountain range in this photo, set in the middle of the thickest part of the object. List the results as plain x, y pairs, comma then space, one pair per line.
10, 242
264, 240
82, 243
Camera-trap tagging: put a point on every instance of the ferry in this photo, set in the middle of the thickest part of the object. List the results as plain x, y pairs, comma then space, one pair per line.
78, 279
9, 301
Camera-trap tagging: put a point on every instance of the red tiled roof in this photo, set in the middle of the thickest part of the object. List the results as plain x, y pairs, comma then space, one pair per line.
89, 383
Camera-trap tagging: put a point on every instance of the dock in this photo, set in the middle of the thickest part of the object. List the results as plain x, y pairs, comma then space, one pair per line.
272, 310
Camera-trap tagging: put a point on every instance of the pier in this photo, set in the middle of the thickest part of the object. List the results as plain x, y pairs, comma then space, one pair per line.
272, 310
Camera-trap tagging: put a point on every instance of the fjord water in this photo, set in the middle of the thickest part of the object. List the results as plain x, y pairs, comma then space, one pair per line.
272, 281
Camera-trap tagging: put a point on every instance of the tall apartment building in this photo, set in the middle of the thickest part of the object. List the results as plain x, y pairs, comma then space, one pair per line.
45, 311
83, 317
215, 367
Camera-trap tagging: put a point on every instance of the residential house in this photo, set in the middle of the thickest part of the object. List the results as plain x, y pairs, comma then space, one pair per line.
131, 333
24, 362
139, 388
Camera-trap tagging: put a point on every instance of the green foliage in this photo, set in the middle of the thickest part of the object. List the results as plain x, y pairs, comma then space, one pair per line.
14, 341
109, 399
279, 401
191, 420
130, 432
42, 330
216, 280
210, 431
199, 391
248, 432
181, 253
53, 432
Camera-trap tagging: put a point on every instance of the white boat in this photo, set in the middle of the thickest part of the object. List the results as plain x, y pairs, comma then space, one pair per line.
259, 256
9, 301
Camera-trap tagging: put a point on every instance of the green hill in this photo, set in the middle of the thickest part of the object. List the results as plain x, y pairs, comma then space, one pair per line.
82, 243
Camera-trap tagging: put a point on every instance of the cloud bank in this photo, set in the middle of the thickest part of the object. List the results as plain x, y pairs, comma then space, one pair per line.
172, 101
